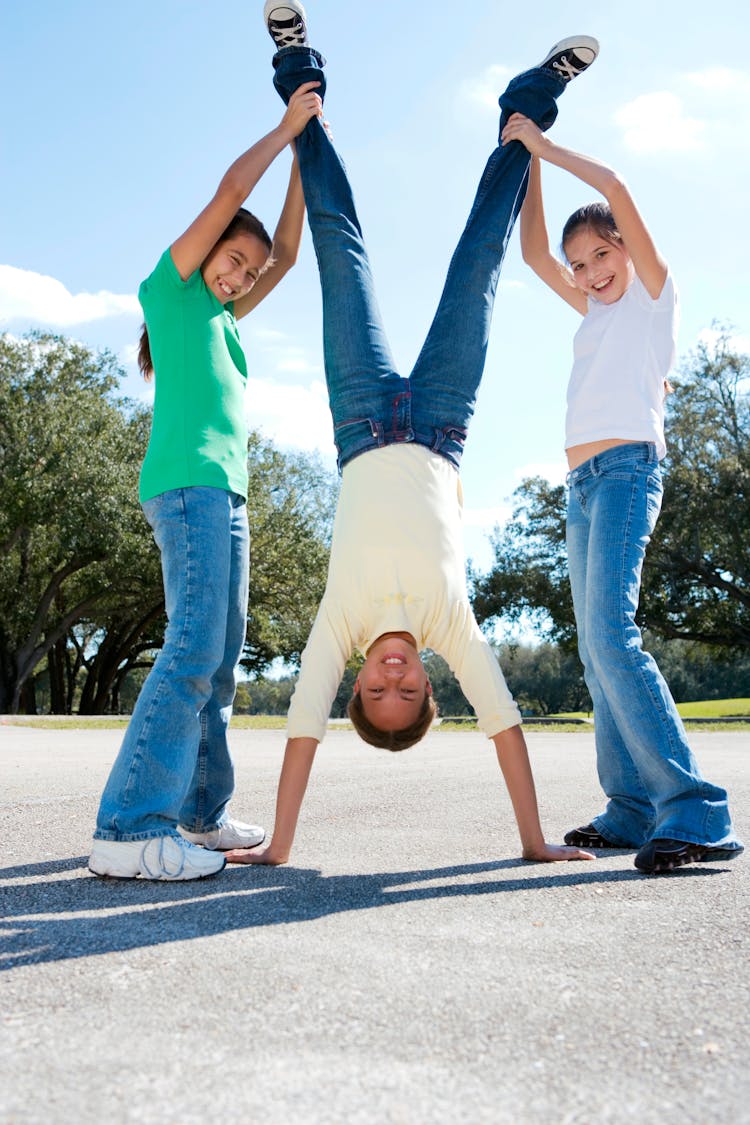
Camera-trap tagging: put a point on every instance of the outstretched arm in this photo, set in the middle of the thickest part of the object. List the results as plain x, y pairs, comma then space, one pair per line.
536, 249
295, 772
286, 243
648, 262
191, 248
514, 762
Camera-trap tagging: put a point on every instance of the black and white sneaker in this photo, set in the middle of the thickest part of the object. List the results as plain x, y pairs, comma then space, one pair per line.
286, 23
570, 57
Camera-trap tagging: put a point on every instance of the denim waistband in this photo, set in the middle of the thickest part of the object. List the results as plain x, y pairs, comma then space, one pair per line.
638, 452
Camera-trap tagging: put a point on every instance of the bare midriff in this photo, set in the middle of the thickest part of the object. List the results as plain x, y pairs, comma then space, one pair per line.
577, 454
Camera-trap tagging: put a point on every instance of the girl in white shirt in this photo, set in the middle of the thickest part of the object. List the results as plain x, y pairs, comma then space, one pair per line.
614, 276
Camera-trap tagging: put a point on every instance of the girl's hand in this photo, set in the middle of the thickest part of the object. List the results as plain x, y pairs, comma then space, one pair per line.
255, 855
304, 104
523, 129
556, 853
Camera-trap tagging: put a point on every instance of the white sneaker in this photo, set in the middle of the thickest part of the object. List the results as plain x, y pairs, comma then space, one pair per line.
162, 857
230, 834
570, 57
285, 20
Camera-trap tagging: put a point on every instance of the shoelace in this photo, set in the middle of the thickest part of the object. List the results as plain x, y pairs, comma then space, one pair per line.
285, 36
567, 70
162, 867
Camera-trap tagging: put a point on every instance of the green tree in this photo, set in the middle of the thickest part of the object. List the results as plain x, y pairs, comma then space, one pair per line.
696, 580
528, 581
69, 474
291, 502
81, 596
544, 679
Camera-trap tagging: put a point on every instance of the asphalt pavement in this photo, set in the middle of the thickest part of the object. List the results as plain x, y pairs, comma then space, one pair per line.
406, 968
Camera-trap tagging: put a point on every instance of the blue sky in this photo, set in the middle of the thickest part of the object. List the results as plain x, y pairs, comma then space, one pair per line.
121, 118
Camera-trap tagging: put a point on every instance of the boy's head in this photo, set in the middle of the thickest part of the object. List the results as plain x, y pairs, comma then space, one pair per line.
392, 705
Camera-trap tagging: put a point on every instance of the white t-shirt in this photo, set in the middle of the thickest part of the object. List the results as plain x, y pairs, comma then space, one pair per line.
622, 355
397, 565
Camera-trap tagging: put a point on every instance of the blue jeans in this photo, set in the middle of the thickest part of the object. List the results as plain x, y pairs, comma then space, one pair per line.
174, 766
646, 767
371, 404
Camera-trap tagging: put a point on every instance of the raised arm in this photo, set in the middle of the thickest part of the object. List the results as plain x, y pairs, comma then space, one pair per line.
536, 249
295, 773
286, 243
513, 757
647, 261
191, 249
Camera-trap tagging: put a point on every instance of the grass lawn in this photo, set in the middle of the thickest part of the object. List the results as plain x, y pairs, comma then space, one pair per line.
692, 713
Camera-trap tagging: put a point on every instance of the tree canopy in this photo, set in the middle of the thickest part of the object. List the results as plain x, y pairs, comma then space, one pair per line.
696, 580
81, 599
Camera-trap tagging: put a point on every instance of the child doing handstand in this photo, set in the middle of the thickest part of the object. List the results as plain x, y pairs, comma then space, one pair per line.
396, 581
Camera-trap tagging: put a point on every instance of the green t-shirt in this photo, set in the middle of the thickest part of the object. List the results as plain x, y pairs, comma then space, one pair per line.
199, 432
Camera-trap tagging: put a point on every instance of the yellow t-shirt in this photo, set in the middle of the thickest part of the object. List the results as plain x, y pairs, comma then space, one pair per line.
397, 565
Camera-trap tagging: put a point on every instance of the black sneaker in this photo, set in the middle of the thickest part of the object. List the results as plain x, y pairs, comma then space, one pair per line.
570, 57
589, 837
661, 855
286, 23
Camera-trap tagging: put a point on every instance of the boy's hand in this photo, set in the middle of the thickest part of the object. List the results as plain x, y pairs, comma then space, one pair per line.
555, 853
256, 855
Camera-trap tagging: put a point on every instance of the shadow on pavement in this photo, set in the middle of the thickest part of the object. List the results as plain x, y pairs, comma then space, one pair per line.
60, 919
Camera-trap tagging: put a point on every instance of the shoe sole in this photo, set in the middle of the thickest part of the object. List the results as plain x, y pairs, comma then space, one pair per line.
578, 839
585, 41
197, 840
159, 879
124, 876
710, 855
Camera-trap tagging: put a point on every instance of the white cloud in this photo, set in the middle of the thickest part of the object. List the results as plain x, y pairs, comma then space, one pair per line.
721, 80
482, 91
296, 416
25, 295
129, 355
278, 352
711, 336
553, 471
487, 518
658, 122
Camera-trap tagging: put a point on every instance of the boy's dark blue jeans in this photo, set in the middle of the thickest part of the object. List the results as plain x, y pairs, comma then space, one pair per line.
371, 404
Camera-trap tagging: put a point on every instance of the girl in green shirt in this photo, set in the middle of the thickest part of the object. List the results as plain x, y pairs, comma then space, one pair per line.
174, 770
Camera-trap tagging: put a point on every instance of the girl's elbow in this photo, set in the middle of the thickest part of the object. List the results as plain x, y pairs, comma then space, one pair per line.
615, 189
284, 257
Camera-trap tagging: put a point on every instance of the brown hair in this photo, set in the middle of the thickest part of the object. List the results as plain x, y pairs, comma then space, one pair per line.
597, 217
244, 222
392, 739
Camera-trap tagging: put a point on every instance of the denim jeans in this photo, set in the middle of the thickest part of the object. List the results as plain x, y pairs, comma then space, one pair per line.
174, 766
646, 767
371, 404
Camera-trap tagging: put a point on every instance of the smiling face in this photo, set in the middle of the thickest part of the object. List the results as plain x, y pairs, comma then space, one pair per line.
602, 269
233, 266
392, 683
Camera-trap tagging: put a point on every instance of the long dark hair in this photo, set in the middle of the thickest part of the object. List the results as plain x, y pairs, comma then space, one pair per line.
244, 222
